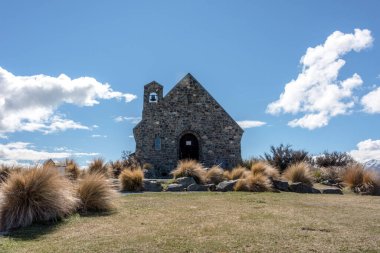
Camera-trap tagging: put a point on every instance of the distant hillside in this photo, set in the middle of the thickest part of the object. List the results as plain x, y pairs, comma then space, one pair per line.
373, 164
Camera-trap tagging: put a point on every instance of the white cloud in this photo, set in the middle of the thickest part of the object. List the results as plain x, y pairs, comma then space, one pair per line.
371, 101
29, 103
3, 136
133, 120
317, 92
131, 136
23, 151
98, 136
367, 150
250, 123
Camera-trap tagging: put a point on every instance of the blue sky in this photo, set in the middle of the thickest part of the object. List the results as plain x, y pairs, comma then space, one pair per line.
243, 52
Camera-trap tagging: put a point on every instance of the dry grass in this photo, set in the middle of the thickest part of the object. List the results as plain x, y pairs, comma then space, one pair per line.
266, 169
360, 180
95, 193
115, 169
190, 168
72, 170
213, 222
299, 172
237, 173
132, 180
254, 183
215, 175
34, 195
98, 166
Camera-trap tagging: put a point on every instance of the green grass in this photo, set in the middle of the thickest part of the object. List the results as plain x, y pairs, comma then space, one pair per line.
213, 222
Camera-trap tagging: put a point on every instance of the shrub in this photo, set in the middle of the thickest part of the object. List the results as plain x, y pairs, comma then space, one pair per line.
35, 195
282, 157
115, 169
72, 169
132, 180
95, 193
4, 173
190, 168
339, 159
247, 163
299, 172
254, 183
239, 172
361, 181
215, 175
266, 169
98, 166
330, 174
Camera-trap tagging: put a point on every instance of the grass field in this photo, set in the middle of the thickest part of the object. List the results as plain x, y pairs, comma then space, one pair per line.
213, 222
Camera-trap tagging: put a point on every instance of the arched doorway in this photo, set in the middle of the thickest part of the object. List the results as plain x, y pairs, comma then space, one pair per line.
188, 147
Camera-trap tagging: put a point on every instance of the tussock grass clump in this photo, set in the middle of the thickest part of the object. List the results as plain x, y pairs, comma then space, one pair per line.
132, 180
254, 183
72, 169
360, 180
266, 169
98, 166
116, 168
215, 175
237, 173
299, 172
95, 193
35, 195
190, 168
330, 174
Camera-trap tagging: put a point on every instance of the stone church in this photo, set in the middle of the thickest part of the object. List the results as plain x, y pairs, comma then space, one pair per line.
187, 123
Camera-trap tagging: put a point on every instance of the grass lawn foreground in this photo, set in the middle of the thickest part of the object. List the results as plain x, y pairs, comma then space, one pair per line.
213, 222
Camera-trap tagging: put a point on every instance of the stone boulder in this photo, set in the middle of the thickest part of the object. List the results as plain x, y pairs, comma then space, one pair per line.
199, 187
152, 186
175, 188
302, 188
281, 185
226, 186
332, 191
185, 181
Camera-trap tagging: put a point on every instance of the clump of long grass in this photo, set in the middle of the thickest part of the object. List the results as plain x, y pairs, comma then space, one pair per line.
237, 173
215, 175
98, 166
190, 168
299, 172
132, 180
116, 168
34, 195
266, 169
95, 193
360, 180
72, 170
330, 174
254, 183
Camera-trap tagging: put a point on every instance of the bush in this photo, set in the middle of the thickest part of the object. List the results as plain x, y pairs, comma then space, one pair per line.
247, 163
338, 159
299, 172
237, 173
190, 168
361, 181
215, 175
282, 157
35, 195
115, 169
72, 169
98, 166
132, 180
95, 193
266, 169
254, 183
330, 174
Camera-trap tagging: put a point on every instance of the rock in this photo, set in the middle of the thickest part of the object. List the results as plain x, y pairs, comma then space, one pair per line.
332, 191
200, 187
185, 181
226, 186
301, 188
281, 185
152, 186
175, 188
316, 191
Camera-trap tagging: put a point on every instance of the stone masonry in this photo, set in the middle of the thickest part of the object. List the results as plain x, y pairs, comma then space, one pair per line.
187, 111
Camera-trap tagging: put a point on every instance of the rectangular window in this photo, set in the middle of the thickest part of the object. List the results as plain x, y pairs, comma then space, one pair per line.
157, 143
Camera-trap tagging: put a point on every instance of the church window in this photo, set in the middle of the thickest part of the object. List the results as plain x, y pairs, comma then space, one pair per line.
157, 143
153, 98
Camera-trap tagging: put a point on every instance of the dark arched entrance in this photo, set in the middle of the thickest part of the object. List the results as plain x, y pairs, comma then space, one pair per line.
188, 147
